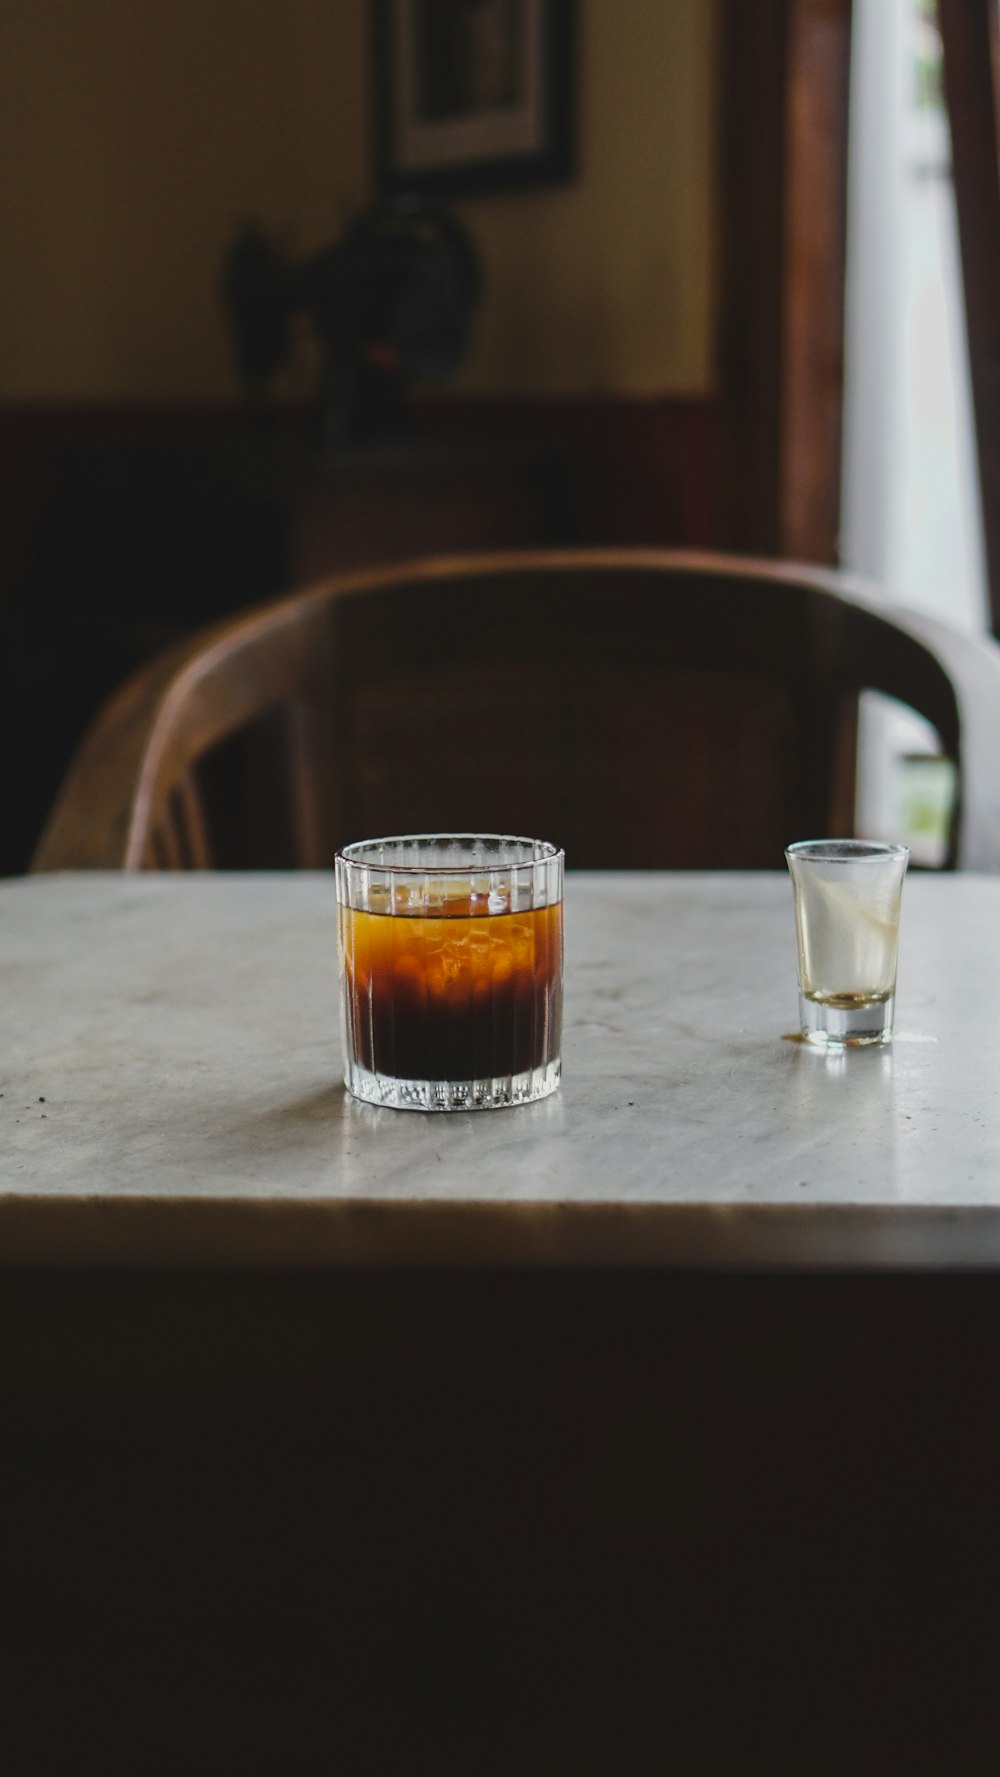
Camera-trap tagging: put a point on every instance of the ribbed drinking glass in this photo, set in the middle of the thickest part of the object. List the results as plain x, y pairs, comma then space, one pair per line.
451, 959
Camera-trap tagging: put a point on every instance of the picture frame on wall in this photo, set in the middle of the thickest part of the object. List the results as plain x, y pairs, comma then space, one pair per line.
473, 95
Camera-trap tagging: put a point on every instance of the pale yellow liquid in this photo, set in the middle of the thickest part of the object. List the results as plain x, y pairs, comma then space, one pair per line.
848, 940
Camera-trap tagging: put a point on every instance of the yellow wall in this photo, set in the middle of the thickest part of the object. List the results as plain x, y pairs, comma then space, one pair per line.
135, 135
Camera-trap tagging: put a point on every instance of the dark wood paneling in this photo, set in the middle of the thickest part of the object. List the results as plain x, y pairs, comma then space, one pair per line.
122, 529
642, 469
119, 530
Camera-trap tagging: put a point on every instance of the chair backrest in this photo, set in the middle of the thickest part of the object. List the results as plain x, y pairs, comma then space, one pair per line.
642, 708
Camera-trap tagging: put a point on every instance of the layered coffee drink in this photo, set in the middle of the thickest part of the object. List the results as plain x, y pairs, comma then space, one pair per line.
451, 978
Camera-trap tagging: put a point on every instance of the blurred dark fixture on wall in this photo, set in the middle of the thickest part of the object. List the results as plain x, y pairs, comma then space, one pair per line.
391, 306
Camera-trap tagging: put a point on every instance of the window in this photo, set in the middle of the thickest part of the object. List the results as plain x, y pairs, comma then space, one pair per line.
910, 496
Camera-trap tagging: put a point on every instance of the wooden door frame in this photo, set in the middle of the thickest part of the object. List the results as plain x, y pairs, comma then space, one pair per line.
784, 76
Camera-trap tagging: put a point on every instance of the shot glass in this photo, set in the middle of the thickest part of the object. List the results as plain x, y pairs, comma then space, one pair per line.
847, 894
451, 961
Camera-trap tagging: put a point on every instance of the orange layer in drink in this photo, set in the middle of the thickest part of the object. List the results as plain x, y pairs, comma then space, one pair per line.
453, 995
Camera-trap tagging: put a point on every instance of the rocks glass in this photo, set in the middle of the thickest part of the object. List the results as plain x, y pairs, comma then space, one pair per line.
451, 955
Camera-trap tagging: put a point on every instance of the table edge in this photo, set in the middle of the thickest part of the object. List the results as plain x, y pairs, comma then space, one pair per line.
332, 1234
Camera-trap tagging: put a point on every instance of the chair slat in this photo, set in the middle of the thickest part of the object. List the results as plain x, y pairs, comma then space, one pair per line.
169, 847
309, 755
192, 824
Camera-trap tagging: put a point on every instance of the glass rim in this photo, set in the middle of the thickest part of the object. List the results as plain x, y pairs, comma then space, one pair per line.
847, 851
547, 853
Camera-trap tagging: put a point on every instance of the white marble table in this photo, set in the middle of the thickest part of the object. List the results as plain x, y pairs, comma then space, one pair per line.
171, 1094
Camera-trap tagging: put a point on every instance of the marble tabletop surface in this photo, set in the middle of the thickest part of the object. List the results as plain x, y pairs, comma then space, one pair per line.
171, 1090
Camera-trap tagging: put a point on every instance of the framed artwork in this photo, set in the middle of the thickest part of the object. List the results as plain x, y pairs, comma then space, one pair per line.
473, 95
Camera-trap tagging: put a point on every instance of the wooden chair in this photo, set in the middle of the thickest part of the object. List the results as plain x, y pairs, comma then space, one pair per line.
643, 708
